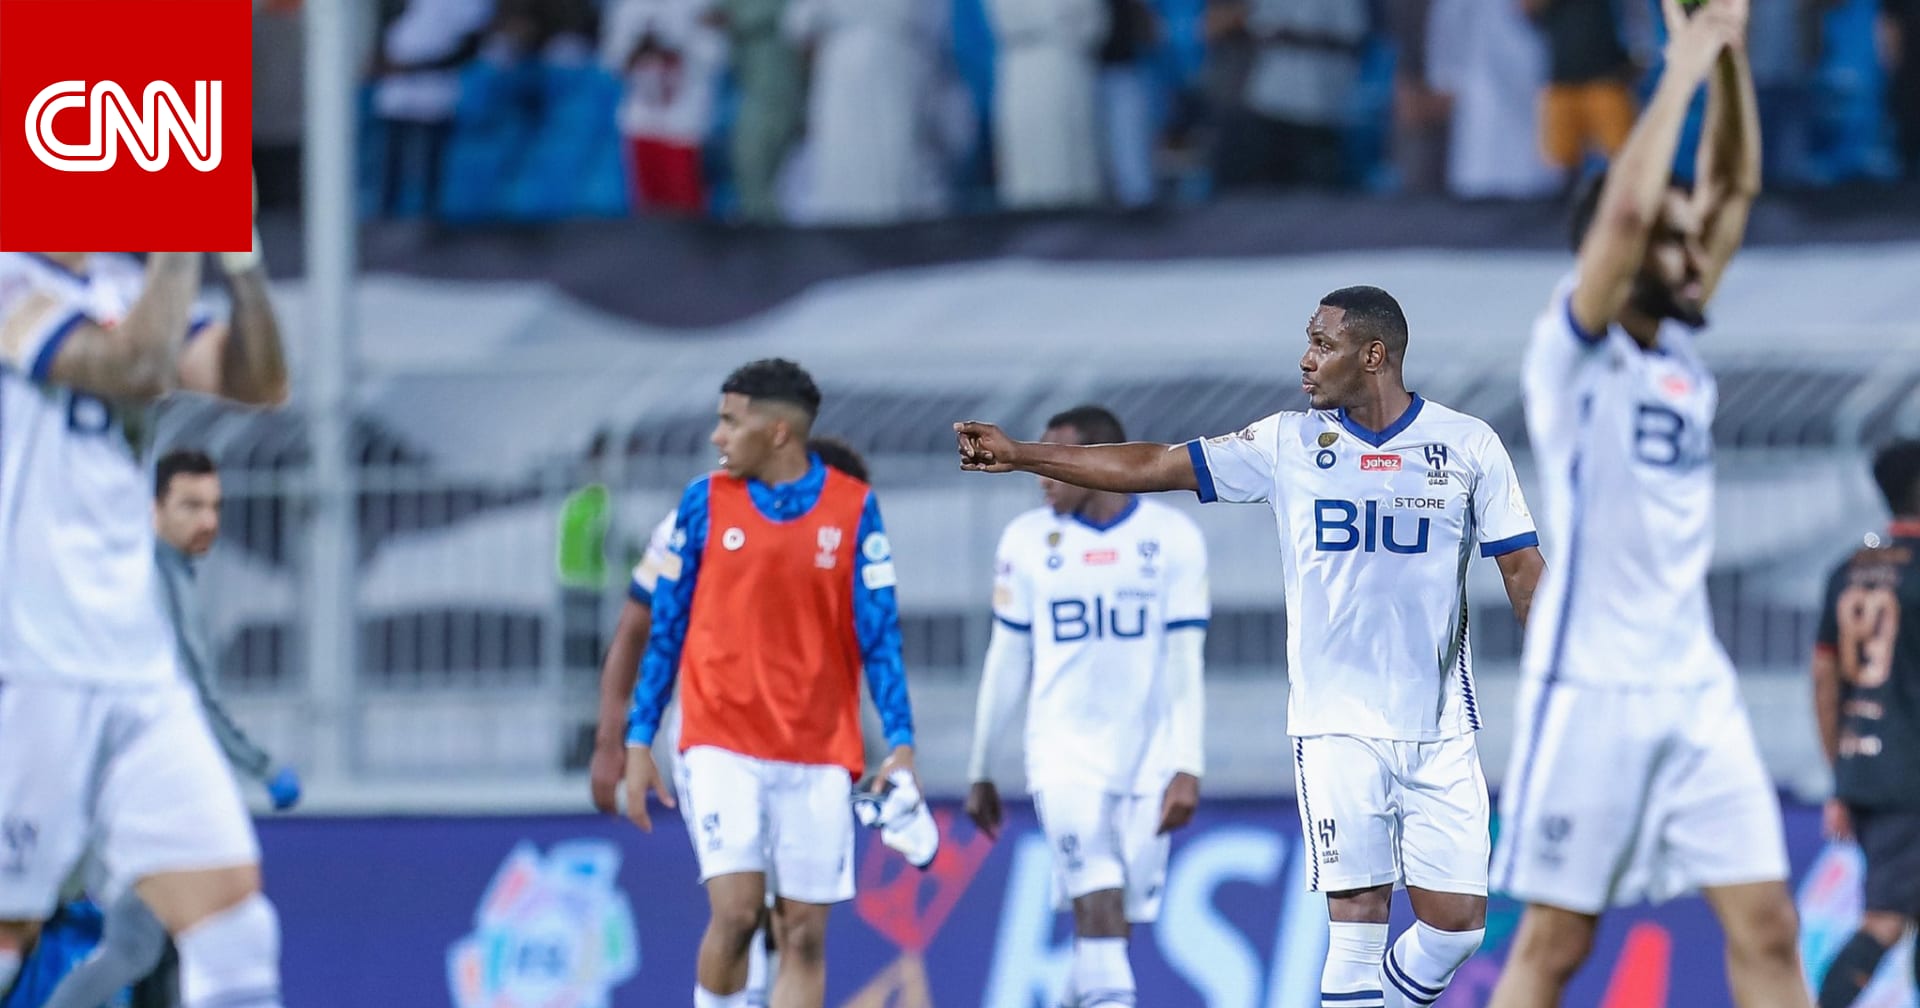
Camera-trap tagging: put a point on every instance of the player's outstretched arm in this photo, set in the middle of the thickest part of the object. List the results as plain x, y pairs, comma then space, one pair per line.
1728, 166
1638, 180
134, 361
1521, 570
1136, 467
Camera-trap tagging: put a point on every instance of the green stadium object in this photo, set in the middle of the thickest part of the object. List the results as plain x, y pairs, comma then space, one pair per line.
585, 516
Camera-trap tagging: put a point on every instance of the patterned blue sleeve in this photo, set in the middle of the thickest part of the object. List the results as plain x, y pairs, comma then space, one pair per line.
876, 615
672, 603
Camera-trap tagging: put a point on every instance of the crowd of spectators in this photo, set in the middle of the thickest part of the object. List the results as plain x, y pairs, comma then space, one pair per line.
878, 111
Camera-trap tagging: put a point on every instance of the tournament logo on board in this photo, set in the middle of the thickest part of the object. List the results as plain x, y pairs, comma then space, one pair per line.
551, 932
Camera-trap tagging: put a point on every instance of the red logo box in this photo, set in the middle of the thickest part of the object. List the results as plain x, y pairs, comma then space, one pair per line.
1380, 463
126, 125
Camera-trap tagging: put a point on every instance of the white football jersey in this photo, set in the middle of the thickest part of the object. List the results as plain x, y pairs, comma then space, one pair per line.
1098, 602
659, 556
1624, 439
1376, 532
80, 599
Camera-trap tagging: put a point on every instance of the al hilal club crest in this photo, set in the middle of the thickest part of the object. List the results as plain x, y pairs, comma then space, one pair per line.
551, 932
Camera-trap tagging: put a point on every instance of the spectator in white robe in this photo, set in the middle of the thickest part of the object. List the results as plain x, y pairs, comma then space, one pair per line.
1047, 150
867, 149
1488, 56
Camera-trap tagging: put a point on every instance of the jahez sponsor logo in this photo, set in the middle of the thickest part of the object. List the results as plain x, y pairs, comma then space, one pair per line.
1379, 463
1100, 557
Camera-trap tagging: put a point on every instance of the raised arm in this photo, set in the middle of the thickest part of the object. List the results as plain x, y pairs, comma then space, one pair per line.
1136, 467
134, 361
1629, 205
241, 360
1727, 169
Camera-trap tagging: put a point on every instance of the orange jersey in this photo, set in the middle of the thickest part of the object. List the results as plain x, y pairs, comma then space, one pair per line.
772, 659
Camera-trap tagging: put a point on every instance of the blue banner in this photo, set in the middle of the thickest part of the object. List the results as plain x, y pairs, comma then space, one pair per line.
583, 912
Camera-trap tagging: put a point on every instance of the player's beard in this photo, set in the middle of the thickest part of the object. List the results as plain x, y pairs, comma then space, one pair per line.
1655, 299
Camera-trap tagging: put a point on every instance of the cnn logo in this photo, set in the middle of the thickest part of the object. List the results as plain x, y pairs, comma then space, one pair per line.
150, 131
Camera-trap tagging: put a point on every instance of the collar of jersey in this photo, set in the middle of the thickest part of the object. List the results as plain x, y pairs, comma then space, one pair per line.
1133, 504
790, 500
1378, 438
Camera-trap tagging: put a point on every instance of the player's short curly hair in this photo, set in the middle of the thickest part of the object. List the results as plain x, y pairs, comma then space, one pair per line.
1896, 468
838, 454
1094, 424
775, 379
1372, 314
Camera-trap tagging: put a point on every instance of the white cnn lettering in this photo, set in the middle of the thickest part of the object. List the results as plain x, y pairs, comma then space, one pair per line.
150, 132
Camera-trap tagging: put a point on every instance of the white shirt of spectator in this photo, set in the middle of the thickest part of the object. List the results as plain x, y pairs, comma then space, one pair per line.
1376, 532
1624, 441
658, 559
670, 100
1098, 603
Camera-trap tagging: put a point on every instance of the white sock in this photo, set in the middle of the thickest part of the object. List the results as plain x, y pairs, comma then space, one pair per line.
1352, 975
9, 967
704, 998
1101, 974
232, 959
759, 971
1422, 962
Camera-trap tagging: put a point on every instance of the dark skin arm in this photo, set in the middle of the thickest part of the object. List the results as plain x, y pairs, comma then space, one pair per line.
983, 807
1521, 570
1136, 467
1182, 799
1835, 822
617, 675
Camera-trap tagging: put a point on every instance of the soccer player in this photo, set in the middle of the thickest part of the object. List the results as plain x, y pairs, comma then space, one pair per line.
1381, 498
186, 521
1866, 677
776, 592
106, 753
1100, 618
1635, 773
622, 669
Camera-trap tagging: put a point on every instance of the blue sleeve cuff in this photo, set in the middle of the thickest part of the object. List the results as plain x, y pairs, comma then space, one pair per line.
1187, 624
43, 361
1579, 331
900, 738
639, 594
1502, 547
640, 735
1201, 474
1011, 625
